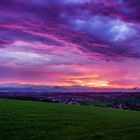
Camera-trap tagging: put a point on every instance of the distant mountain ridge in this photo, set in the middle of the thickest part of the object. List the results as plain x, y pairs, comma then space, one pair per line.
48, 88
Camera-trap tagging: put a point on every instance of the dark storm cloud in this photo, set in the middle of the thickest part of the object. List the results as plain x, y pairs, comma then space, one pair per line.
108, 29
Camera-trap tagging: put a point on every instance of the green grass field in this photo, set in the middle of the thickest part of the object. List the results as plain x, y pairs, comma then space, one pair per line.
30, 120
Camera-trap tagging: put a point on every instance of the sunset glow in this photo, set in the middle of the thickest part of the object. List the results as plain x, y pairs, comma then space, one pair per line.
70, 42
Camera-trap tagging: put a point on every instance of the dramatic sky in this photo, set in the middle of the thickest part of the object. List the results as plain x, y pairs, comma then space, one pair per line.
93, 43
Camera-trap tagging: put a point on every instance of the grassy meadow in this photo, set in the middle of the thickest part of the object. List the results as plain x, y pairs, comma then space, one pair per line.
31, 120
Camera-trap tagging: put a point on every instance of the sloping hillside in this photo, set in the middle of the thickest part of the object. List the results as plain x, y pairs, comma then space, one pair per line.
23, 120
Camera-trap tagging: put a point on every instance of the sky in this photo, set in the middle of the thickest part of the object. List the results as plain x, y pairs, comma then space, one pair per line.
93, 43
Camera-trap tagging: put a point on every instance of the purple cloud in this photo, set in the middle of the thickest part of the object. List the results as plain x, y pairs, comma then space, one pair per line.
69, 32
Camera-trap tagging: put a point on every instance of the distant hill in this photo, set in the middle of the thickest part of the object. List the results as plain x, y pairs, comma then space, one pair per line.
48, 88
